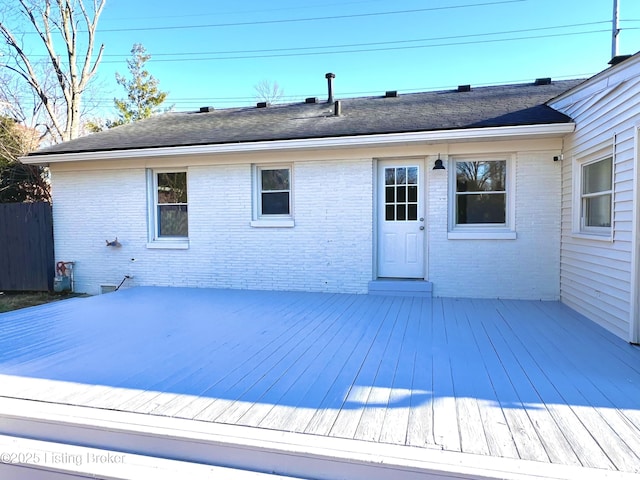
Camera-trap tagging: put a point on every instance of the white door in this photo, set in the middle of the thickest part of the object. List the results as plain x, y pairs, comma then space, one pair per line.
400, 219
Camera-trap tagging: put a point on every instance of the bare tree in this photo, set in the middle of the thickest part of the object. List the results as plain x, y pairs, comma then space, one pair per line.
59, 82
268, 91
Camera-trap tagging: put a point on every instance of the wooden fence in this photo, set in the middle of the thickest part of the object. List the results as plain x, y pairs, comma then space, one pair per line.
26, 247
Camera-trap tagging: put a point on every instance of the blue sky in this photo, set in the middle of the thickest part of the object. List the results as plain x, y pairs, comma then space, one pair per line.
371, 45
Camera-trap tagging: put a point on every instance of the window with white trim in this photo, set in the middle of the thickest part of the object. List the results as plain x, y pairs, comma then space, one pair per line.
596, 192
482, 199
168, 212
272, 198
481, 192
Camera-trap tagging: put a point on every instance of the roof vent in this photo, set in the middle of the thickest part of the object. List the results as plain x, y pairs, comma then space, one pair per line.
311, 100
543, 81
337, 108
330, 76
618, 59
206, 109
262, 104
391, 94
464, 88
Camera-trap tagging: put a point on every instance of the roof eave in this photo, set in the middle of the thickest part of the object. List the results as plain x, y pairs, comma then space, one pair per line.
386, 139
607, 72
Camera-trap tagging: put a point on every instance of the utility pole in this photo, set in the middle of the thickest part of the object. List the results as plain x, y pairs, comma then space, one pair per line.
615, 30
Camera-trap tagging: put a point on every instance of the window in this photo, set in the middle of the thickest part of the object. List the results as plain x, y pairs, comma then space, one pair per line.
401, 194
596, 194
275, 191
168, 216
272, 196
482, 199
481, 195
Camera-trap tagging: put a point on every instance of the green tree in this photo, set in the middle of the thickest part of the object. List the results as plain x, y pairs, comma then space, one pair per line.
11, 146
143, 95
20, 182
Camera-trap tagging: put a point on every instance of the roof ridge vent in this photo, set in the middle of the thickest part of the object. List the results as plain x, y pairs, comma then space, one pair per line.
464, 88
262, 104
311, 100
618, 59
543, 81
391, 94
206, 109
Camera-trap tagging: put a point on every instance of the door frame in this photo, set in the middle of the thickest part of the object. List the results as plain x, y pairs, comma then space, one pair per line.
421, 160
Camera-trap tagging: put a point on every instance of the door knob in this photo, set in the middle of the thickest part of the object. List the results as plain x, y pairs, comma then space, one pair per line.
421, 227
422, 219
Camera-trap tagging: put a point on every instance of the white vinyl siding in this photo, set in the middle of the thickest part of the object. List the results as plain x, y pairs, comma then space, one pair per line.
595, 274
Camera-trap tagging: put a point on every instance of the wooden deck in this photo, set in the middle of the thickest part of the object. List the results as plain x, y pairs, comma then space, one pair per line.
513, 379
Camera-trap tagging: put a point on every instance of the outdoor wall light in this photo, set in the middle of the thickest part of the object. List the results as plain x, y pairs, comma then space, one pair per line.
438, 165
114, 243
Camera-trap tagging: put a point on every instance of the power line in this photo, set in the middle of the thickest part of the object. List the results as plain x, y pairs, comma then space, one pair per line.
348, 45
306, 7
363, 50
531, 37
298, 20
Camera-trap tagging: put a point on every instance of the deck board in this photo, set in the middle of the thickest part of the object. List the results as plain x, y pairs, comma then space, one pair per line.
311, 383
571, 426
604, 425
420, 422
464, 370
509, 391
327, 411
394, 426
446, 431
500, 440
277, 384
503, 378
237, 360
362, 393
223, 394
380, 398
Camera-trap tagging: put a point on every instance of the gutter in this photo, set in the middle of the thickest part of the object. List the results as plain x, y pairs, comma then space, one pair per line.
354, 141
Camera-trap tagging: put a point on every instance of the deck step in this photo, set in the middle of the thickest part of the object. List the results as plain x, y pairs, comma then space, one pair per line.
45, 441
401, 288
36, 459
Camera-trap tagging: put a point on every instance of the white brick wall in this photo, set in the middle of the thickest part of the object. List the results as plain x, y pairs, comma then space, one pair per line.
525, 268
329, 249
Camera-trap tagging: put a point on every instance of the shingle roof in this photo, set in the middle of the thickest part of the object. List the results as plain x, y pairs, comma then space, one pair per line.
495, 106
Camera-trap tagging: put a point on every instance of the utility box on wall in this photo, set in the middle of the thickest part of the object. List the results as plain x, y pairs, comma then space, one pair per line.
61, 283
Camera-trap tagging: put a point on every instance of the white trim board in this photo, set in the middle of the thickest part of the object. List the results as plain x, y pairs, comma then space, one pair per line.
261, 450
469, 134
634, 314
22, 458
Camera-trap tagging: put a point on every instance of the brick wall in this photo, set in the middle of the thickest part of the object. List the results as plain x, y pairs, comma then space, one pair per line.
331, 246
525, 268
329, 249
